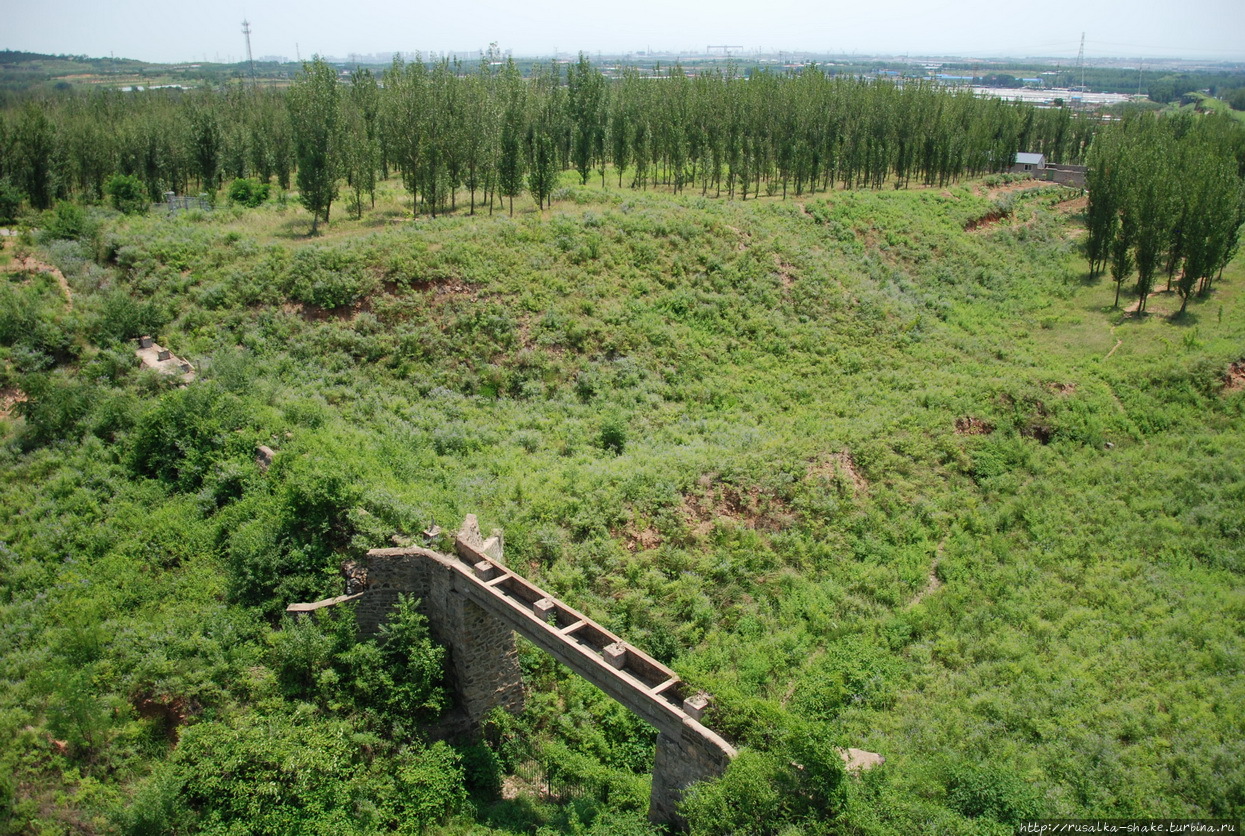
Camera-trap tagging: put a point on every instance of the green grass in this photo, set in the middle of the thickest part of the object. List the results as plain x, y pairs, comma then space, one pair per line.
1209, 104
727, 430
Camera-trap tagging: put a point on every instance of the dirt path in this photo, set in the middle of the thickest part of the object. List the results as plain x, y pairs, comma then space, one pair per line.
31, 265
932, 583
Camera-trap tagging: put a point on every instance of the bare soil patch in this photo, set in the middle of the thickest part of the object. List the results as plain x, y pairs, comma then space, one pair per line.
1234, 378
640, 540
831, 465
986, 221
31, 265
744, 238
9, 398
968, 425
1071, 207
933, 583
1024, 185
170, 713
749, 507
1169, 302
785, 272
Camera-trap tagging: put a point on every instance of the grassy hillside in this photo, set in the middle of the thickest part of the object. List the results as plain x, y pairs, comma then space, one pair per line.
879, 470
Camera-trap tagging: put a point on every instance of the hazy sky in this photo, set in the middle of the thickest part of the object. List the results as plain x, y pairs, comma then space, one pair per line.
181, 30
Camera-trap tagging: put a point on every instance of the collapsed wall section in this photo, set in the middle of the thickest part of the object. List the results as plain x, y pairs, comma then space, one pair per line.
474, 606
680, 761
482, 663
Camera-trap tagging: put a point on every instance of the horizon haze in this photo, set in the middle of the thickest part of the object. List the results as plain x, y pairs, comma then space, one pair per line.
179, 31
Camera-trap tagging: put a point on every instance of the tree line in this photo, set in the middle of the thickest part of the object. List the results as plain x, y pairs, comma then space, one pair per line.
494, 133
1166, 195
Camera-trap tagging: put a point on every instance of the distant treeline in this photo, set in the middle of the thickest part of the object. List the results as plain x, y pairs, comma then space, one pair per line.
1160, 85
494, 133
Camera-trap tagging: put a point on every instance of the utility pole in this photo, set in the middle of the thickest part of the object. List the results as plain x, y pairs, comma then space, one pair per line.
246, 30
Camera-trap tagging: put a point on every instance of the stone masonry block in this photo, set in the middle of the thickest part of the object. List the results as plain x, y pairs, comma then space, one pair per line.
695, 706
545, 609
616, 654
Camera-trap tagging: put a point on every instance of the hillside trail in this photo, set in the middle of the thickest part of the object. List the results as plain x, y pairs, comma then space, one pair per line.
32, 265
932, 583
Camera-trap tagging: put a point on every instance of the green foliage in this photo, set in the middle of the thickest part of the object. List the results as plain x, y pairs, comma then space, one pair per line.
746, 800
11, 198
327, 278
397, 676
975, 791
314, 114
1165, 193
282, 773
408, 682
55, 407
881, 482
67, 221
800, 784
280, 547
127, 193
613, 433
247, 191
187, 433
121, 317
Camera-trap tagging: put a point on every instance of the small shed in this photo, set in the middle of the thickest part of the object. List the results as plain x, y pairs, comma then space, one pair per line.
1026, 162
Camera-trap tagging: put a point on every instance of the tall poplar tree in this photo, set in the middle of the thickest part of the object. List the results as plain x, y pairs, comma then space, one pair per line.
315, 115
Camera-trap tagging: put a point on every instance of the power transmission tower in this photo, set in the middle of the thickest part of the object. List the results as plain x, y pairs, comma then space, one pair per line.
246, 30
1080, 62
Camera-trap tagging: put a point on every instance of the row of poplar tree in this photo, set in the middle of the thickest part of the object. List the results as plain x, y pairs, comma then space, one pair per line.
1166, 196
495, 134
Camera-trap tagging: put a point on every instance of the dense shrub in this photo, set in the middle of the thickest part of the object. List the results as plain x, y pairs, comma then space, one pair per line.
122, 317
127, 194
67, 220
11, 199
397, 676
280, 773
187, 432
745, 801
994, 792
55, 407
327, 278
284, 544
798, 784
613, 436
247, 191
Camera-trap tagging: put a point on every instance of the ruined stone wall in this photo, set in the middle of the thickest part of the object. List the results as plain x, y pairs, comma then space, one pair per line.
482, 663
474, 605
679, 762
390, 573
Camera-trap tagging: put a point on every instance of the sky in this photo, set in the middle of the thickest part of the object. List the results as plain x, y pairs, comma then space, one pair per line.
180, 30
